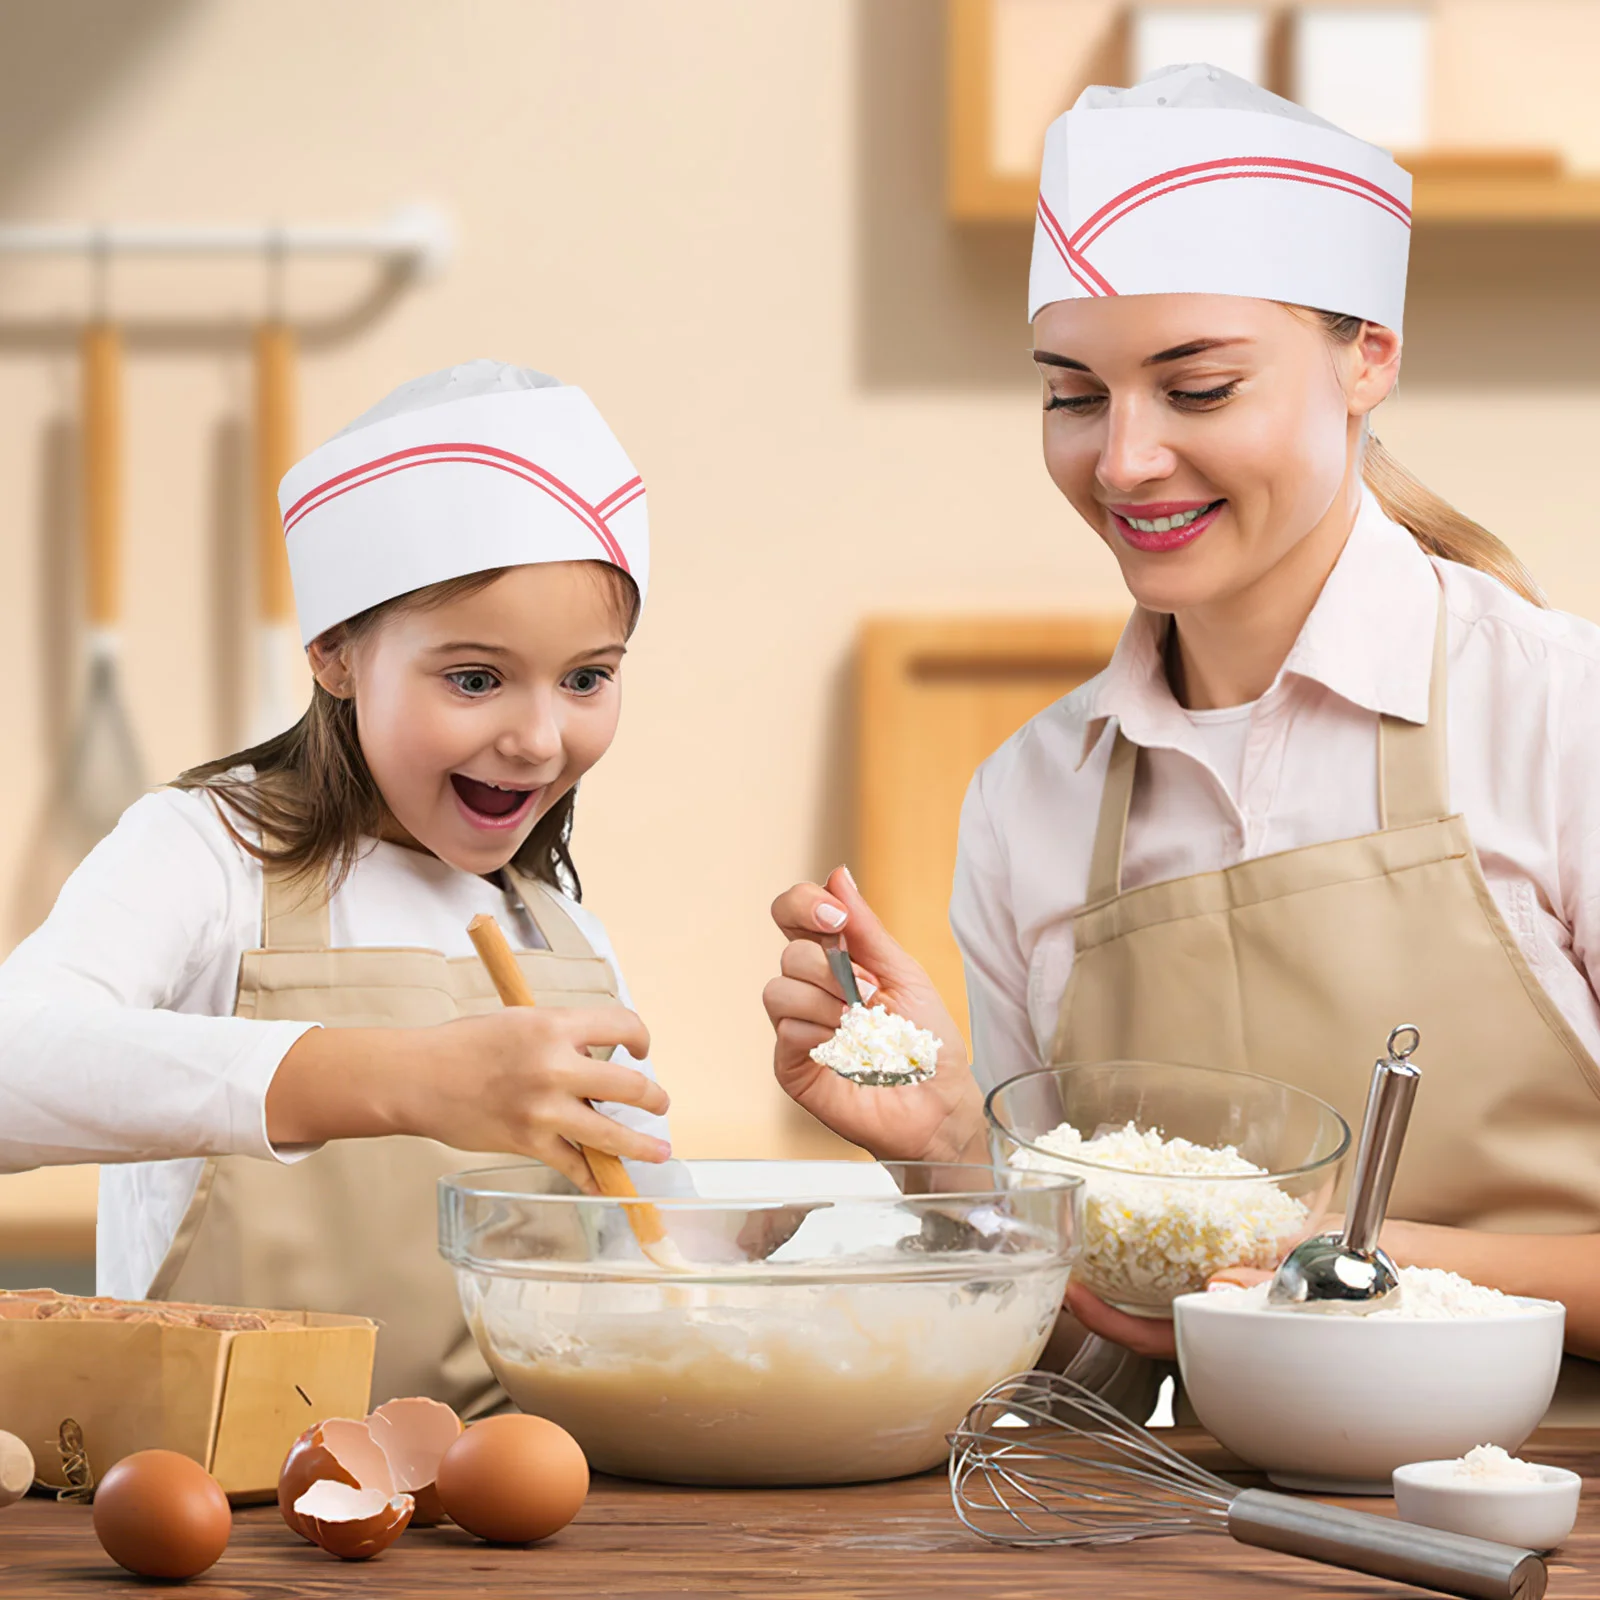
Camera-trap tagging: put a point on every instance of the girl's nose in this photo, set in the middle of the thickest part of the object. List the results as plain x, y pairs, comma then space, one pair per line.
1133, 452
534, 737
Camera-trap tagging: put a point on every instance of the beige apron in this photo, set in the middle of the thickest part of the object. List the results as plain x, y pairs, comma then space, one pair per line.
1297, 965
353, 1228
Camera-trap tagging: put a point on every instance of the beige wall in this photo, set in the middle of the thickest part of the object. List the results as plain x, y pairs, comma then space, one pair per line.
721, 217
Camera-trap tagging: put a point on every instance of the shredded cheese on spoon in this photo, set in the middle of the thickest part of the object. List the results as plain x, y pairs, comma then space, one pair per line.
874, 1046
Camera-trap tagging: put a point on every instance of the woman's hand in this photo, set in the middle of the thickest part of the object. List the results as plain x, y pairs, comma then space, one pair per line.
516, 1081
1145, 1336
940, 1119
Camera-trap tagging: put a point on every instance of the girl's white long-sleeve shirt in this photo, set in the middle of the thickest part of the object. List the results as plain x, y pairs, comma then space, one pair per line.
1297, 767
118, 1042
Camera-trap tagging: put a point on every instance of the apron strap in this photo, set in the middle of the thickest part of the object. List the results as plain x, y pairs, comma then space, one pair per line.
1105, 865
544, 908
294, 912
1414, 758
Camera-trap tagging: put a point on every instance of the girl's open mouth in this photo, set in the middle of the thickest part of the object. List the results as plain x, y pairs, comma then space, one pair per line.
487, 805
1160, 534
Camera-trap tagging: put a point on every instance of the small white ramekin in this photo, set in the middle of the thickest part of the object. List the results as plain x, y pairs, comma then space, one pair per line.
1534, 1516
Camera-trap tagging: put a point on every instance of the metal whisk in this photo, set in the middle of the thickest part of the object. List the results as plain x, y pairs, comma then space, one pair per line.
1040, 1460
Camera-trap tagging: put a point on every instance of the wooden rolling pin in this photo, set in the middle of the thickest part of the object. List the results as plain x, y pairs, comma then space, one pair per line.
609, 1172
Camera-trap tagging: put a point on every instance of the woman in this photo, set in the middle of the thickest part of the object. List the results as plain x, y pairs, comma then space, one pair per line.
1343, 770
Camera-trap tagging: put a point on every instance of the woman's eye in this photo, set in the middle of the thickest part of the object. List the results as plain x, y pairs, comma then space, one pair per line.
1075, 403
1203, 397
587, 680
474, 681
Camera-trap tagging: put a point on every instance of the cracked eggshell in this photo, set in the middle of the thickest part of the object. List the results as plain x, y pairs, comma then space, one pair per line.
513, 1479
341, 1450
16, 1469
414, 1435
353, 1524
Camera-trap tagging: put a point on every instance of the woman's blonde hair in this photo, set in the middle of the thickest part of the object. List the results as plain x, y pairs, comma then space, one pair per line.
311, 798
1434, 523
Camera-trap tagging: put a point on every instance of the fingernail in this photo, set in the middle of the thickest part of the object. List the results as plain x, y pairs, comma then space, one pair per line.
665, 1149
849, 877
831, 917
867, 987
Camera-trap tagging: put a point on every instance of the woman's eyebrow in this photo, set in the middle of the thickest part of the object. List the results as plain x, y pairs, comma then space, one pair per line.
474, 646
1193, 347
1047, 358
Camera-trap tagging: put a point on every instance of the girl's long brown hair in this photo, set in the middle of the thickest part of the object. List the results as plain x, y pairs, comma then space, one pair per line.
1433, 522
311, 798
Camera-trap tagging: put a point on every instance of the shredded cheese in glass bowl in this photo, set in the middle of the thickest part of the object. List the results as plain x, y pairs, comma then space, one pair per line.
1186, 1170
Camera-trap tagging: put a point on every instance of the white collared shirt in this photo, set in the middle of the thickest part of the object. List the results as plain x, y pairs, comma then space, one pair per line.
118, 1042
1524, 743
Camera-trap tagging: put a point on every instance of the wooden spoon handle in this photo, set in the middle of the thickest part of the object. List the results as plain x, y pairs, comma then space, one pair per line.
274, 455
101, 354
512, 987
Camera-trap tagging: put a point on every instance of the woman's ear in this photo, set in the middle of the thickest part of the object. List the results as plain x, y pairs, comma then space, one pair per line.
1374, 368
329, 657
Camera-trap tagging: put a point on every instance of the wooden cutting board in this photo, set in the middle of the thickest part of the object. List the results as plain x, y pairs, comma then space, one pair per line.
936, 696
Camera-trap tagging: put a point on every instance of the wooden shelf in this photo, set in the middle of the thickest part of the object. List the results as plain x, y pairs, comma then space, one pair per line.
1514, 188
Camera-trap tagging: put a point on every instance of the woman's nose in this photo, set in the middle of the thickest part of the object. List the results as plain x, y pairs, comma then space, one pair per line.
1133, 452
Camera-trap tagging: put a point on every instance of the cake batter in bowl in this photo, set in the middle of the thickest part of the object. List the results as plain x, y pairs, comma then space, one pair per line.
841, 1318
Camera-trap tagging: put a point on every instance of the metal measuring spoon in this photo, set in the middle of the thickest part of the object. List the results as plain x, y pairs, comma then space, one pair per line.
1351, 1271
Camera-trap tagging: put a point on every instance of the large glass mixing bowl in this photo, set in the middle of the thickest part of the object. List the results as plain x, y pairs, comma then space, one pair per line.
1147, 1235
839, 1318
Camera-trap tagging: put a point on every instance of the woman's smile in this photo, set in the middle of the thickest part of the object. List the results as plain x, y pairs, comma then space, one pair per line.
1164, 524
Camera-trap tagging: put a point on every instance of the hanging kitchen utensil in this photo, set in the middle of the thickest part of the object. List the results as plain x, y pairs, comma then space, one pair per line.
279, 698
1041, 1460
609, 1173
104, 774
1352, 1271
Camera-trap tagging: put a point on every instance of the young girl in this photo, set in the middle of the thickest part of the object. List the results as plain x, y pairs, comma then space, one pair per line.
469, 560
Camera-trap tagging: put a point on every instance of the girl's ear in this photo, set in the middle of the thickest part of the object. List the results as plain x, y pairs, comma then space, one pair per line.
1374, 368
329, 656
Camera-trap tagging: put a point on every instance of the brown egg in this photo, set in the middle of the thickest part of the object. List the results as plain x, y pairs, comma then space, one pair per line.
513, 1479
340, 1449
161, 1515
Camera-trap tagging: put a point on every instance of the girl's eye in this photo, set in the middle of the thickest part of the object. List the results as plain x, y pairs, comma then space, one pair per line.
587, 680
474, 681
1205, 397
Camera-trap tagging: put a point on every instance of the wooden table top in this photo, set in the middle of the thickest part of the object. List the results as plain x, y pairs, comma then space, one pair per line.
649, 1540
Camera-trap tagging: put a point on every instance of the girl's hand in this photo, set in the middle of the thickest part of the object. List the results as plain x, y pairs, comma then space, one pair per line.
514, 1081
937, 1120
1145, 1336
518, 1080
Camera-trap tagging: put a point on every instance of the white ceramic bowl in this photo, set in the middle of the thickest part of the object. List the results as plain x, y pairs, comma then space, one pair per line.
1536, 1516
1335, 1402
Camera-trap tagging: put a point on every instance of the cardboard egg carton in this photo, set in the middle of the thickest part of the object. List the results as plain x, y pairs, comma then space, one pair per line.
230, 1387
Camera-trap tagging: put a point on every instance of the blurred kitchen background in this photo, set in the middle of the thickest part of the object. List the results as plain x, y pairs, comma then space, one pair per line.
784, 246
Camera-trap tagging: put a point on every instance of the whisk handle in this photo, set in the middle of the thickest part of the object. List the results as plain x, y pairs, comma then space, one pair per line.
1451, 1563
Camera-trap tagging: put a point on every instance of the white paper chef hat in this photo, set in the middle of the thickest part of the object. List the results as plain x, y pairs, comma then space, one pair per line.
1198, 182
478, 466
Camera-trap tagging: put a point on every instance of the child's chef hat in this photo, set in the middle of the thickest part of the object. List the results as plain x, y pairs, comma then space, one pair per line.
479, 466
1198, 182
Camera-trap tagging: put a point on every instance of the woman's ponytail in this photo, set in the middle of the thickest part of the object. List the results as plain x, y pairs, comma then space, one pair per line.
1434, 523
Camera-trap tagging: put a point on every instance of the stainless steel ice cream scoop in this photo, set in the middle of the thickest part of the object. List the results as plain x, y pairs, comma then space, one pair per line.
1351, 1271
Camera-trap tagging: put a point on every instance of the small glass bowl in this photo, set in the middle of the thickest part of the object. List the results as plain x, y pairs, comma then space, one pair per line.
1147, 1238
840, 1319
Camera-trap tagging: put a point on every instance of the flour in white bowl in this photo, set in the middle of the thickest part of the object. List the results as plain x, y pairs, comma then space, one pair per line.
1146, 1240
874, 1046
1488, 1463
1427, 1294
